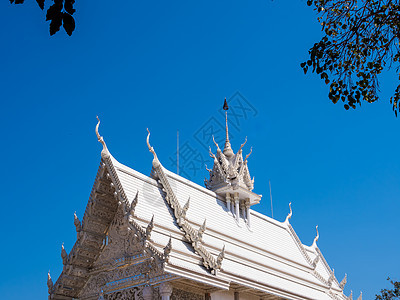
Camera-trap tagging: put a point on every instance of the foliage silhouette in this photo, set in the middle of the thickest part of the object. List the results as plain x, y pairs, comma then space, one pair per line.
361, 39
392, 294
60, 13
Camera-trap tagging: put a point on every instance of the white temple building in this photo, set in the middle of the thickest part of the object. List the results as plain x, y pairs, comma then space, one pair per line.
165, 237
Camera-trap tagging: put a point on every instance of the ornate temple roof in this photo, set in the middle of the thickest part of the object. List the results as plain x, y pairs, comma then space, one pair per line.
191, 234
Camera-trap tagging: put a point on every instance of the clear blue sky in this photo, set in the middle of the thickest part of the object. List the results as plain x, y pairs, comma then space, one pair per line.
168, 65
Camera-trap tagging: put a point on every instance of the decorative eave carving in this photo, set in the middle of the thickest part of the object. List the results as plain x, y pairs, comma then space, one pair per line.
106, 196
313, 263
194, 236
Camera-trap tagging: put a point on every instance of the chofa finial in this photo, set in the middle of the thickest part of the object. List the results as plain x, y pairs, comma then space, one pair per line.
227, 149
290, 213
104, 152
316, 237
156, 162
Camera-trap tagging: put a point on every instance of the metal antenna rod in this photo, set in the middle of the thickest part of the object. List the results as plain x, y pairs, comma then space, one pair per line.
270, 195
177, 152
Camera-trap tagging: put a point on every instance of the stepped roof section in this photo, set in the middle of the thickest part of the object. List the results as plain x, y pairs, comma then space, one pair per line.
190, 235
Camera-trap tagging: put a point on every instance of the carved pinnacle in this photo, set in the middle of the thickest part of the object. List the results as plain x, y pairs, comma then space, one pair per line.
343, 282
49, 282
64, 255
149, 228
77, 223
134, 202
167, 248
185, 208
220, 257
202, 229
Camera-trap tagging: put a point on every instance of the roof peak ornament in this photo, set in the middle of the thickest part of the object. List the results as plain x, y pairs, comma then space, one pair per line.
314, 244
290, 213
156, 162
104, 153
49, 282
227, 149
230, 173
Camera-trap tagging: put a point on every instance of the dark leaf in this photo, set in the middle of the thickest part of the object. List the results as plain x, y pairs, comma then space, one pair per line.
19, 1
55, 23
53, 11
68, 23
68, 6
40, 3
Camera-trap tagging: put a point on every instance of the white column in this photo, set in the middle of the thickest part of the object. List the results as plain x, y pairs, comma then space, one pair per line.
148, 293
165, 290
236, 197
228, 201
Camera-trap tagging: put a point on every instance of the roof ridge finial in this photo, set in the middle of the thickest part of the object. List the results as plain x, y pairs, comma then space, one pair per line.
156, 162
290, 213
104, 152
227, 149
316, 238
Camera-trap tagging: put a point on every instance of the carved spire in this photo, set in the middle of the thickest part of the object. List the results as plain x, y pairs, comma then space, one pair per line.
185, 208
350, 297
227, 149
230, 173
220, 257
343, 282
49, 282
202, 229
314, 244
290, 213
134, 202
149, 227
77, 223
360, 297
104, 152
168, 248
64, 255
